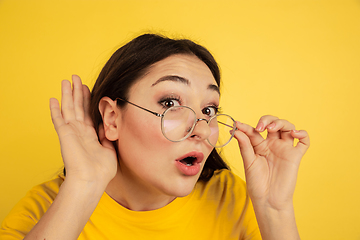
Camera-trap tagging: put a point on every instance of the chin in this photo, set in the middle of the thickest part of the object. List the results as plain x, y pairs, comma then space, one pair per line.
183, 188
184, 193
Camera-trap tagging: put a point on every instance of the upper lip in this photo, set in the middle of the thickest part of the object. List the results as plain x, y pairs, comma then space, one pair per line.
199, 156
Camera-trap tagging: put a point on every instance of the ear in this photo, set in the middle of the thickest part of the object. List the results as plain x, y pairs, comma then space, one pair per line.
110, 113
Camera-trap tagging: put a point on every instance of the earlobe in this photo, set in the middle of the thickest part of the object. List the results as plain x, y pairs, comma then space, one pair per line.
108, 110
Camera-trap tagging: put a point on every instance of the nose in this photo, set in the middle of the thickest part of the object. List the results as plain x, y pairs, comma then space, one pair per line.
201, 130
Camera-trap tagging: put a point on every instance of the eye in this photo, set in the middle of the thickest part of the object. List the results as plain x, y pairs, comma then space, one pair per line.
170, 102
210, 111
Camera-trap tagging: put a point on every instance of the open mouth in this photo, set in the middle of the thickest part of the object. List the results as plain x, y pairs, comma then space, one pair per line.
192, 158
188, 161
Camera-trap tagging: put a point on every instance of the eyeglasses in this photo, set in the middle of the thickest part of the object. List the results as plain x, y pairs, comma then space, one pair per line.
178, 123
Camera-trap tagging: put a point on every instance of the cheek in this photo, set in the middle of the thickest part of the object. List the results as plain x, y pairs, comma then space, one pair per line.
142, 148
141, 135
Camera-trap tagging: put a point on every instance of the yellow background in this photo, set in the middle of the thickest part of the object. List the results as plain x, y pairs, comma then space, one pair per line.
298, 60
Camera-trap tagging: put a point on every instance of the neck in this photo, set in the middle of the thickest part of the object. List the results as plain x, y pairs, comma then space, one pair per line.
135, 194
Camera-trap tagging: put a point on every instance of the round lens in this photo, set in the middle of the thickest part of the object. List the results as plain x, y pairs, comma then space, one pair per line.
178, 122
222, 128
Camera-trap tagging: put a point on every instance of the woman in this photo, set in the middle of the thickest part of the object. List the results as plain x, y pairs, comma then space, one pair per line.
141, 161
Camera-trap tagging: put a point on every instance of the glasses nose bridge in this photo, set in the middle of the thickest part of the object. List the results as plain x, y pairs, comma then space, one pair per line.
201, 119
202, 132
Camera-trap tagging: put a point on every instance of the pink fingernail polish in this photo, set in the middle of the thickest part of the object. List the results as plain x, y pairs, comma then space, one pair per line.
259, 127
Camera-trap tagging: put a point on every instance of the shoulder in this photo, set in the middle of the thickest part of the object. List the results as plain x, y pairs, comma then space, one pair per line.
40, 197
27, 212
48, 189
45, 192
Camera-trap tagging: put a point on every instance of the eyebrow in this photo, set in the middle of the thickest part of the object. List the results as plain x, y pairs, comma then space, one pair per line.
183, 80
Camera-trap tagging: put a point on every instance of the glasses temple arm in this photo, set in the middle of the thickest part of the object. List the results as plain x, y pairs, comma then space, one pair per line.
225, 124
156, 114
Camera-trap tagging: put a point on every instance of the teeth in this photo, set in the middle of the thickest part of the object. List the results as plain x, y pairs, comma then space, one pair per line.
189, 164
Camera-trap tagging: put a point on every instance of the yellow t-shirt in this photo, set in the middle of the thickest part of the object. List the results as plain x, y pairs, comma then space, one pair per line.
217, 209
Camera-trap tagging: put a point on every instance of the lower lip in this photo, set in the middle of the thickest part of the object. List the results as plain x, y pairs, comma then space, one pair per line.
188, 170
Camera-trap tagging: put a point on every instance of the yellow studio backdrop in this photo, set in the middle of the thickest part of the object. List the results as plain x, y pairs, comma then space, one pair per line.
298, 60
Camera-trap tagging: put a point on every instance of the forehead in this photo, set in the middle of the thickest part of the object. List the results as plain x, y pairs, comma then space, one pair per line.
188, 67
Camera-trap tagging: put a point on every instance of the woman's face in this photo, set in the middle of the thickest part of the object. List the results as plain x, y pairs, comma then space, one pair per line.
147, 159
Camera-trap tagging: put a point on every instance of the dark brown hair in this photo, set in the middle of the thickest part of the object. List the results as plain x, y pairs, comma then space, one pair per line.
130, 62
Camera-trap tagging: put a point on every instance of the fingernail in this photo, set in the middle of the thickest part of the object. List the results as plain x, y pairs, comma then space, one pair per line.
259, 127
272, 125
295, 131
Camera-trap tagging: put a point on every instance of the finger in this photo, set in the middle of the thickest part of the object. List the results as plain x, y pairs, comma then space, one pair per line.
280, 128
87, 116
304, 140
246, 149
254, 137
56, 116
264, 121
78, 98
67, 104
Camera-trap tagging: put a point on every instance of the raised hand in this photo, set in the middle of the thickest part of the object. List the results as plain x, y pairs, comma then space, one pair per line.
90, 165
271, 164
85, 158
